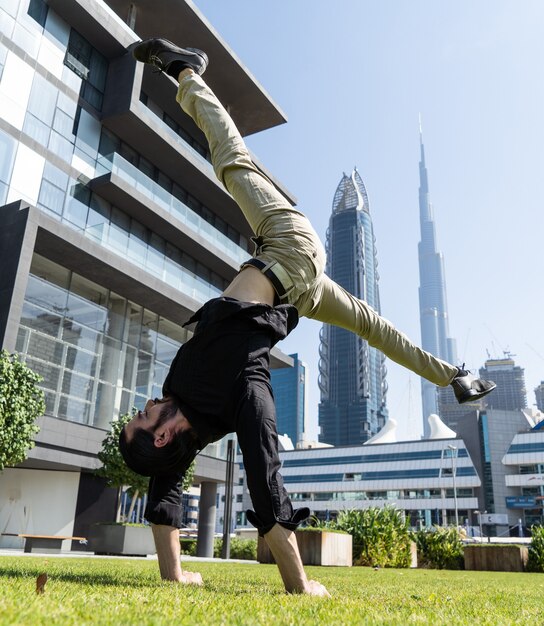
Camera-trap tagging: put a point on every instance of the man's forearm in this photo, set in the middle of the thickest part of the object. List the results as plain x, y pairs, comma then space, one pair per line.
283, 545
168, 551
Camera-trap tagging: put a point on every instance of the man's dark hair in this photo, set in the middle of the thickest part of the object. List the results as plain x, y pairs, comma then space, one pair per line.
143, 457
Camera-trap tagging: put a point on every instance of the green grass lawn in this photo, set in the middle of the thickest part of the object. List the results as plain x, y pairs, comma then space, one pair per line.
125, 591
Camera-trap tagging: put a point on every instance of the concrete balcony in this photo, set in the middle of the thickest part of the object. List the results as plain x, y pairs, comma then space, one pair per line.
132, 191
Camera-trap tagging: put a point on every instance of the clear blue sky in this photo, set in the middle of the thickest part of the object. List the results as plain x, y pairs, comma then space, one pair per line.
352, 77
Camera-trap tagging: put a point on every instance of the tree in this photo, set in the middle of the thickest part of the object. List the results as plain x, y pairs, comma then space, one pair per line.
21, 403
118, 474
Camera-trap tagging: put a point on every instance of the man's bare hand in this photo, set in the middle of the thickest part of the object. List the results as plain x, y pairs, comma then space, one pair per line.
191, 578
313, 588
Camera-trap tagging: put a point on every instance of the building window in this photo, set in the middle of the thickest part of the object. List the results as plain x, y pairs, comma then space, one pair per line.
37, 9
89, 65
98, 354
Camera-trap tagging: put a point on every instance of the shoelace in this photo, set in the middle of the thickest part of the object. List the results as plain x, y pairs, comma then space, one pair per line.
158, 66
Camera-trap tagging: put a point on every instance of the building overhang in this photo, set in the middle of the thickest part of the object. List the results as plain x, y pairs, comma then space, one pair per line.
182, 23
129, 118
105, 27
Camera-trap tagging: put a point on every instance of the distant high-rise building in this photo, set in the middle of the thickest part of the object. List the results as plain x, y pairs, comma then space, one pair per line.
351, 373
451, 412
289, 385
539, 395
510, 393
433, 307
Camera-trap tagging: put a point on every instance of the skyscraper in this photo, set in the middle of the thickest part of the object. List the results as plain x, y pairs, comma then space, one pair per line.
433, 308
289, 385
510, 394
351, 373
539, 395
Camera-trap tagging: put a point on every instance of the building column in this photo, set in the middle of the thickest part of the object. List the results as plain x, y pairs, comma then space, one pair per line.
17, 240
206, 519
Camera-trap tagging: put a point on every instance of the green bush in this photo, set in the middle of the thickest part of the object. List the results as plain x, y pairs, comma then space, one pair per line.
188, 546
21, 403
439, 548
239, 548
114, 469
535, 562
381, 536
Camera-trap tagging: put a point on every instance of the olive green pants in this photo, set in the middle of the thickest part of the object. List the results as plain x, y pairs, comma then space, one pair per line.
288, 241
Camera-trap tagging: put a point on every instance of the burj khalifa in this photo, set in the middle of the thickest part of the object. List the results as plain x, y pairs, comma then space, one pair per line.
433, 306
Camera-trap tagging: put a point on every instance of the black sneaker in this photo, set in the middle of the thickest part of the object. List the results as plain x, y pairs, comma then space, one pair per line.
469, 388
169, 58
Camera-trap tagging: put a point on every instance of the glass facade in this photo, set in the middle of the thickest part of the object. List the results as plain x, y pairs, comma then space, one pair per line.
403, 494
51, 116
99, 354
516, 448
173, 205
289, 386
393, 457
351, 373
433, 472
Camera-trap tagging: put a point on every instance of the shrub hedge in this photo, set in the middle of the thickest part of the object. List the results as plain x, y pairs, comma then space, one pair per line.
239, 548
535, 561
439, 548
381, 536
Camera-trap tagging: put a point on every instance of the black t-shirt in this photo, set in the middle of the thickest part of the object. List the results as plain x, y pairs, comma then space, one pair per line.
231, 345
221, 378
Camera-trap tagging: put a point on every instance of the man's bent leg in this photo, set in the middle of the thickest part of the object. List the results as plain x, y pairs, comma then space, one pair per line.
338, 307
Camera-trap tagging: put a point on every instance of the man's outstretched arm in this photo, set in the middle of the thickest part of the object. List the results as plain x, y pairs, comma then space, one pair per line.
169, 554
283, 545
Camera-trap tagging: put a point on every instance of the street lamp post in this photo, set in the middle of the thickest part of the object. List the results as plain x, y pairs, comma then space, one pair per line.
454, 472
479, 514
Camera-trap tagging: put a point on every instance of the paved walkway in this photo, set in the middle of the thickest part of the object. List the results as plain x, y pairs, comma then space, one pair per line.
91, 555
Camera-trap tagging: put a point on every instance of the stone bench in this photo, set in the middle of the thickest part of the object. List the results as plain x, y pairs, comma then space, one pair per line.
44, 543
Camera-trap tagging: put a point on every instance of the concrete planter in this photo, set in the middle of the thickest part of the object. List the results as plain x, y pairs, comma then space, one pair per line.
124, 540
317, 547
496, 558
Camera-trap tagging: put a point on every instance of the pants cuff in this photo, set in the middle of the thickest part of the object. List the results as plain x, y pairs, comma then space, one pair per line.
298, 516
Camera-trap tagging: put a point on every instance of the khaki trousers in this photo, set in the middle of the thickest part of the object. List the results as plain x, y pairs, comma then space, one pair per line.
287, 238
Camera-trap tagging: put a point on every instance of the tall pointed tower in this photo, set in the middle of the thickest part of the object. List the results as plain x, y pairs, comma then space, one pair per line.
433, 307
351, 373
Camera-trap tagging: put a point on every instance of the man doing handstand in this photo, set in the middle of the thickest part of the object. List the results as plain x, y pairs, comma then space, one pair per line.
219, 382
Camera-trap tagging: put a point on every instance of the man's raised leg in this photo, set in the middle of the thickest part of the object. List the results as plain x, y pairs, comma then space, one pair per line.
338, 307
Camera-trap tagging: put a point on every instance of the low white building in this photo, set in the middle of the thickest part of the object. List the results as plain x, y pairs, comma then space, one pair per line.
420, 477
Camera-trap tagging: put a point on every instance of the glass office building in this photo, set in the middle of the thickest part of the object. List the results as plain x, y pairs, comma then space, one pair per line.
114, 230
289, 386
351, 373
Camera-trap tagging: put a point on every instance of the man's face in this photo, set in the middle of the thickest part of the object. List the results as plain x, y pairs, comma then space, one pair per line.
146, 419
